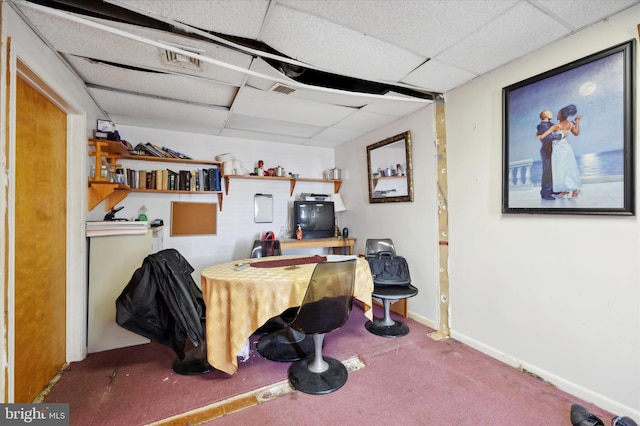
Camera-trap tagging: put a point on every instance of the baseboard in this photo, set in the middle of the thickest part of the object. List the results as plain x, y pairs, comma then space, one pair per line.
557, 381
423, 320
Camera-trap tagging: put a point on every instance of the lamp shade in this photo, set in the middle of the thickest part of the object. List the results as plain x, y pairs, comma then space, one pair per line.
338, 205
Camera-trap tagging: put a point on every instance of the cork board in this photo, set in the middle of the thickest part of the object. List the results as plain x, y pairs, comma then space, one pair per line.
193, 218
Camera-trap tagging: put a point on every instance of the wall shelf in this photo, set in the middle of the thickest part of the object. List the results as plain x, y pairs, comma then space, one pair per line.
292, 181
112, 192
101, 189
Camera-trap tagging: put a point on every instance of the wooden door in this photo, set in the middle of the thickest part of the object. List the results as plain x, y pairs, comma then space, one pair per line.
40, 236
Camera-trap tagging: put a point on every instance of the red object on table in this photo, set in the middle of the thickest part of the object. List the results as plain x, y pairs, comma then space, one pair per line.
289, 262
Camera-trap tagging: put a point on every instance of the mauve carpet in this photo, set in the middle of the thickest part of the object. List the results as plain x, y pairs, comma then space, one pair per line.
411, 380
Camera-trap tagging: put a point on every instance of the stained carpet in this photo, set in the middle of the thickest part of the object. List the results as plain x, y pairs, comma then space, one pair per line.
412, 380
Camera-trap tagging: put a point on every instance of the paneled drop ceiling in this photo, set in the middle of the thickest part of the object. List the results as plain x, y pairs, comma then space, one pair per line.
302, 72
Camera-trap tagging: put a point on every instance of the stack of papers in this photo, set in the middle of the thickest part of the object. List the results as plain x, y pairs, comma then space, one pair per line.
117, 227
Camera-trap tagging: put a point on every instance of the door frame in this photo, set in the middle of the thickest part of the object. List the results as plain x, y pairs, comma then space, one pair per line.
76, 257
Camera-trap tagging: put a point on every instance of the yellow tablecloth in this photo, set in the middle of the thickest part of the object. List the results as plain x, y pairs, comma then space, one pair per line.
238, 302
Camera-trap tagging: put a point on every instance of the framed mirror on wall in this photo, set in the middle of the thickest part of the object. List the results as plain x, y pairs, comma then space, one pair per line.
390, 170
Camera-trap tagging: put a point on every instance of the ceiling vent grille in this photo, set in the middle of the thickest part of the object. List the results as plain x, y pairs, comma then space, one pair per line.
179, 60
281, 88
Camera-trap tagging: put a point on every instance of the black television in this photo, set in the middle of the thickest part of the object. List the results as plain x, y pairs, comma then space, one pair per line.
316, 218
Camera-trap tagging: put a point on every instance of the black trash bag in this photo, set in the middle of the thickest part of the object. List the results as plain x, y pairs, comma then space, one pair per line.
162, 302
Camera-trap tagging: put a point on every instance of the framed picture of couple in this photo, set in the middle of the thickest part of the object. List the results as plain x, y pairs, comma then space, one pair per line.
568, 138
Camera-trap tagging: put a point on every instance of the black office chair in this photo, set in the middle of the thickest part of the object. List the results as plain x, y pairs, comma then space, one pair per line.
283, 343
280, 342
264, 248
387, 293
325, 307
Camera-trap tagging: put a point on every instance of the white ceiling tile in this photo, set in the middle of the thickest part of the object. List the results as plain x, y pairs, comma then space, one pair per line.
333, 136
169, 86
365, 121
152, 108
324, 44
277, 127
245, 134
580, 13
504, 39
438, 76
159, 123
425, 27
353, 100
395, 108
277, 106
83, 40
261, 67
237, 18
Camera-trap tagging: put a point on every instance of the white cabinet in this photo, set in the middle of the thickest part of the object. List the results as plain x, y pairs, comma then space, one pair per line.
112, 262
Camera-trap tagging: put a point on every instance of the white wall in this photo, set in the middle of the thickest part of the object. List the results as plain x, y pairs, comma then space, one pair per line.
557, 295
411, 225
236, 227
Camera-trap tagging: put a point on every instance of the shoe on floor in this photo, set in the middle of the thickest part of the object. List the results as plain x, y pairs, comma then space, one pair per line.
623, 421
581, 417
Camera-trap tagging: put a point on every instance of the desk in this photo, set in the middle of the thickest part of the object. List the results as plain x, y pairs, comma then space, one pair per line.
306, 243
238, 302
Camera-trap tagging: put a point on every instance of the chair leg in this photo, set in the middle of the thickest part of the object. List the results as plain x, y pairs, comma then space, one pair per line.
387, 321
310, 376
318, 365
386, 326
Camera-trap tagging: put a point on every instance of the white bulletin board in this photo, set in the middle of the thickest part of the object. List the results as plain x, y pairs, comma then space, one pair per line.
263, 208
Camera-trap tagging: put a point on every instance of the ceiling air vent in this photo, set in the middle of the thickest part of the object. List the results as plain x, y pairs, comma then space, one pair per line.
281, 88
180, 60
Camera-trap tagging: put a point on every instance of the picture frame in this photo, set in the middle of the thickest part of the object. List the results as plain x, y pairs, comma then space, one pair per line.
390, 169
105, 126
580, 159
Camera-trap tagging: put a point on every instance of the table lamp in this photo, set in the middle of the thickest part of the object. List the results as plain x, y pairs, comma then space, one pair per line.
338, 206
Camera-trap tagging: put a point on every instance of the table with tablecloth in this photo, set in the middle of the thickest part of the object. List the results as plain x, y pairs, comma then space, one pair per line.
238, 301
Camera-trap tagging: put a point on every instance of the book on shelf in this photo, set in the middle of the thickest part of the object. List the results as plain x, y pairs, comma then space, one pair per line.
205, 180
184, 180
151, 148
176, 153
164, 181
141, 149
214, 179
142, 179
151, 179
172, 180
197, 180
161, 152
170, 155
